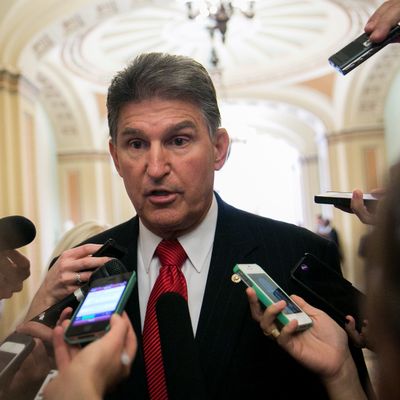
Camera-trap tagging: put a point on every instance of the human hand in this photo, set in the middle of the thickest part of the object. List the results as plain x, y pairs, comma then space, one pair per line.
30, 375
359, 339
102, 363
382, 20
365, 215
42, 331
36, 366
321, 348
14, 269
62, 278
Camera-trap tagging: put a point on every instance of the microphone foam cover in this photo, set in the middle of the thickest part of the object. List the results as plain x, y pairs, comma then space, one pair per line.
112, 267
15, 231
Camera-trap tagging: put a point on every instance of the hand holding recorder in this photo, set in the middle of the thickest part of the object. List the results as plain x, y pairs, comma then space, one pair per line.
382, 20
359, 50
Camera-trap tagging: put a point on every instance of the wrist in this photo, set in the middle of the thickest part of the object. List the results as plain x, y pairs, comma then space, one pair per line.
69, 384
41, 301
345, 383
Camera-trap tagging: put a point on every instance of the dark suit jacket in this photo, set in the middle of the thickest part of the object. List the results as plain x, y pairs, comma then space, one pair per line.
237, 360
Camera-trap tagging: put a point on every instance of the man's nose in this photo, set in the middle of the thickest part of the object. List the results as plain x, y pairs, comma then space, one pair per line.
158, 163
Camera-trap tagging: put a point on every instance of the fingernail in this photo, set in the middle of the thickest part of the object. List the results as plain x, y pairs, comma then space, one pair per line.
125, 359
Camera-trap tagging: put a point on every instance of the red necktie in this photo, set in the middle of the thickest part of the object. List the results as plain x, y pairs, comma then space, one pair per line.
170, 279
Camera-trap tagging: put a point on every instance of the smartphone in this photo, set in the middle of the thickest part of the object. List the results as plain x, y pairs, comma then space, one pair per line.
359, 50
329, 290
269, 292
106, 296
343, 199
13, 351
110, 249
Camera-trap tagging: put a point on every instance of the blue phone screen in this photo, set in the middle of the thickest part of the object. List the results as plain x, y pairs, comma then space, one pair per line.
275, 293
100, 303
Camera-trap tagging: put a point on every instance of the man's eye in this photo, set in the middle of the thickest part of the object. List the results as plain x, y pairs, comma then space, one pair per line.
179, 141
136, 144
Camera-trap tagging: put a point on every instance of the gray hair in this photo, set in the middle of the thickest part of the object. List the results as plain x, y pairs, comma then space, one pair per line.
166, 76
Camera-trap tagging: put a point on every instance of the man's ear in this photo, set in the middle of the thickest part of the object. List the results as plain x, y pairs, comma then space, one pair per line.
222, 145
114, 154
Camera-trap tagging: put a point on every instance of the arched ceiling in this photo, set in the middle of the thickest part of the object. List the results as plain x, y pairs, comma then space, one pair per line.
286, 40
70, 50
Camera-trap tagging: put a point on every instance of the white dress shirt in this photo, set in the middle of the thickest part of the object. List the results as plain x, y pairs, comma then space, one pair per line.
198, 245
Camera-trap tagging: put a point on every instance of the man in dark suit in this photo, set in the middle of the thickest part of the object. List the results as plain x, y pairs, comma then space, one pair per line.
166, 143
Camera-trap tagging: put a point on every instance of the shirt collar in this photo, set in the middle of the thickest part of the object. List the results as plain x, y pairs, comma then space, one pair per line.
197, 243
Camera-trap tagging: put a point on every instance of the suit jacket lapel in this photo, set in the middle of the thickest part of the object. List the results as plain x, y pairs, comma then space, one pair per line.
128, 238
225, 303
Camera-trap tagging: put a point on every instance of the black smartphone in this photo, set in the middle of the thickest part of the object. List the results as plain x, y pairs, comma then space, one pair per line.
106, 296
110, 249
328, 290
359, 50
343, 199
13, 351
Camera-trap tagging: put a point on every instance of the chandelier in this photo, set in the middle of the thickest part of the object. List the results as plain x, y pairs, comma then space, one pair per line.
218, 13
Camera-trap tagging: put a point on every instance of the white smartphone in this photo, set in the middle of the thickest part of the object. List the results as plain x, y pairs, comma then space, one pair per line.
343, 199
13, 351
269, 292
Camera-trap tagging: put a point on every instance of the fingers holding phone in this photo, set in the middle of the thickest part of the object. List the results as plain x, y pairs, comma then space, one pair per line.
321, 348
74, 268
269, 293
103, 362
70, 271
106, 296
382, 20
363, 205
265, 317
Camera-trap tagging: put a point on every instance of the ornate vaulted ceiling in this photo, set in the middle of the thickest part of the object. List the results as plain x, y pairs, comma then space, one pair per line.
70, 50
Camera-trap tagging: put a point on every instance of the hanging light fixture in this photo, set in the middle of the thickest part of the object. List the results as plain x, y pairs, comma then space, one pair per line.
218, 13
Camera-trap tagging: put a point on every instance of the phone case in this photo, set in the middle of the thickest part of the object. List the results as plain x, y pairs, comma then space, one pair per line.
9, 370
260, 294
343, 199
110, 249
344, 290
119, 308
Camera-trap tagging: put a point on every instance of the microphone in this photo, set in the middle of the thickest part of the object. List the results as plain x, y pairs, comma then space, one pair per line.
15, 231
50, 316
179, 351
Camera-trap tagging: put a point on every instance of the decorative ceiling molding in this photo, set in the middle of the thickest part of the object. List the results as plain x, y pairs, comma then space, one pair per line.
284, 46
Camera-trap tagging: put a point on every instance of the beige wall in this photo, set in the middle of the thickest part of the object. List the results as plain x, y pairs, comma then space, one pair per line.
357, 160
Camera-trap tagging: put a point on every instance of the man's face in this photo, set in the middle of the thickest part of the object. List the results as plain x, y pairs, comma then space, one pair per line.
167, 160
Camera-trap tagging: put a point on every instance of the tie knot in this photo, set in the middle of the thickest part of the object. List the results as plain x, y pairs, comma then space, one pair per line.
170, 252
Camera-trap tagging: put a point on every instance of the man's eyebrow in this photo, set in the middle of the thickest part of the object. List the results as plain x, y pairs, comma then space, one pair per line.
128, 131
181, 125
131, 131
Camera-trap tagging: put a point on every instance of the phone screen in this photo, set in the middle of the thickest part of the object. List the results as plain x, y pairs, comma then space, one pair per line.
275, 293
6, 357
99, 304
330, 290
92, 317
